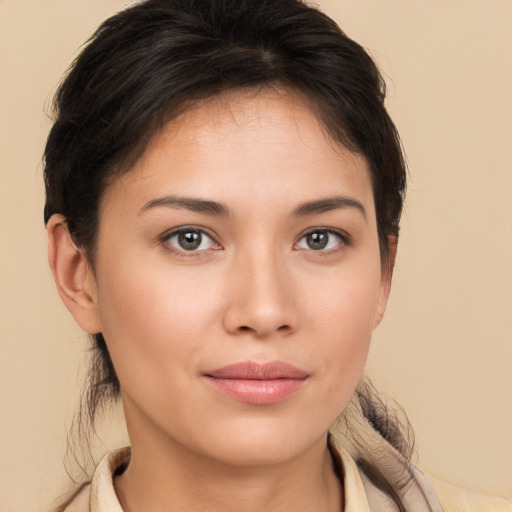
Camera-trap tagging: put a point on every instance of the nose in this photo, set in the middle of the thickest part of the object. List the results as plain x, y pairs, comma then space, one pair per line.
261, 298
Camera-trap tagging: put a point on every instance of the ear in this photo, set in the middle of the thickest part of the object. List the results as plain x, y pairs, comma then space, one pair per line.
73, 276
386, 277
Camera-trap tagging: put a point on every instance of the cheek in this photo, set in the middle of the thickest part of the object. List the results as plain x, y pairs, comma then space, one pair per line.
345, 303
340, 319
154, 319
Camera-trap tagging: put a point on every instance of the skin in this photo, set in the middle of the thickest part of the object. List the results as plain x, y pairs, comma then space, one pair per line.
254, 291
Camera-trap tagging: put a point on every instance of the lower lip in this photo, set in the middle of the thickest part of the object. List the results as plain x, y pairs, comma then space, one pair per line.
258, 392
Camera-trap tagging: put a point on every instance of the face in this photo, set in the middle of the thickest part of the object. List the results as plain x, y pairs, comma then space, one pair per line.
237, 280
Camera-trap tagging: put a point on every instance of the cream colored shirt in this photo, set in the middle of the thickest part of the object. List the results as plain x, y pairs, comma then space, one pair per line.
100, 496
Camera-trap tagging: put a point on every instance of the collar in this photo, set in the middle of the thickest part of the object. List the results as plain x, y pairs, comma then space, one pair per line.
360, 494
103, 496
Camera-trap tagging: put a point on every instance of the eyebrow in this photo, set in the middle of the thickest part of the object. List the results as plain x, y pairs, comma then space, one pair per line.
207, 207
189, 203
327, 204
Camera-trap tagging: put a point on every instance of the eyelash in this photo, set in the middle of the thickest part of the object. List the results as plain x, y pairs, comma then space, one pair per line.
345, 240
166, 237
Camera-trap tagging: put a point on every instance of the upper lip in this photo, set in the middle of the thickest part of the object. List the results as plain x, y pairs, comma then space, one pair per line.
251, 370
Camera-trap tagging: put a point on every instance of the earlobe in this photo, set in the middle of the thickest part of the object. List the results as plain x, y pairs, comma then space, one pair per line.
386, 278
72, 274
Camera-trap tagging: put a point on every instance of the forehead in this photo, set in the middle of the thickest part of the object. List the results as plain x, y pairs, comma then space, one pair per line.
247, 144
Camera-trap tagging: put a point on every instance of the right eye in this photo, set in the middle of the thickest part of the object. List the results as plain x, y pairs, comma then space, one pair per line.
191, 240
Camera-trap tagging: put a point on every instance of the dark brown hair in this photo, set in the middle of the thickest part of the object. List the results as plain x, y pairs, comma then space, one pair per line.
150, 62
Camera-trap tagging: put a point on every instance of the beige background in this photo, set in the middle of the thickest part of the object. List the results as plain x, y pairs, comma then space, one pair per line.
445, 348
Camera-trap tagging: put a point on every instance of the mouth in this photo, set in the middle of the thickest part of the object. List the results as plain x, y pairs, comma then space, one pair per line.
258, 384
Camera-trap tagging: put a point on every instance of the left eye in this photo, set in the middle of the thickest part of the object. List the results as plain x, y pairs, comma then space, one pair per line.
190, 240
320, 240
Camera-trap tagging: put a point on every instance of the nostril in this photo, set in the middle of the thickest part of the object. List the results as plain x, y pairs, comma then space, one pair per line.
245, 328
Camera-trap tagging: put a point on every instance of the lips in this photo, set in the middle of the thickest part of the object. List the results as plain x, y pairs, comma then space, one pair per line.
258, 384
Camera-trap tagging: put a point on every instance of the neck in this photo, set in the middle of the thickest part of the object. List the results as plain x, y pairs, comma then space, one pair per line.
165, 475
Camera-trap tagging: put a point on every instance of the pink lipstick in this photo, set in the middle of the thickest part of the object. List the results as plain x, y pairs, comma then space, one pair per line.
258, 384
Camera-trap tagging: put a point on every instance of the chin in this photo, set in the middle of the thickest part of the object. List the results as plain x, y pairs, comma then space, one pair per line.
256, 454
263, 444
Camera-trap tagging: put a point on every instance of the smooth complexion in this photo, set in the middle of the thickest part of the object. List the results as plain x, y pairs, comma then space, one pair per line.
244, 240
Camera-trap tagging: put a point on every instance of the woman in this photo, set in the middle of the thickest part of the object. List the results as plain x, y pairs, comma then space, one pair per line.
224, 189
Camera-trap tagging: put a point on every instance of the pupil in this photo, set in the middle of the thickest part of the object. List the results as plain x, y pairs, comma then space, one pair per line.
189, 240
317, 240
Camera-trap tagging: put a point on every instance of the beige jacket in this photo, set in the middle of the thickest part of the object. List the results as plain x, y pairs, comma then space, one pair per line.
427, 493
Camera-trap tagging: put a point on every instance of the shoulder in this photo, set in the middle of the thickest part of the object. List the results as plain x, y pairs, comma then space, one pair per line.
80, 503
100, 494
457, 499
423, 492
